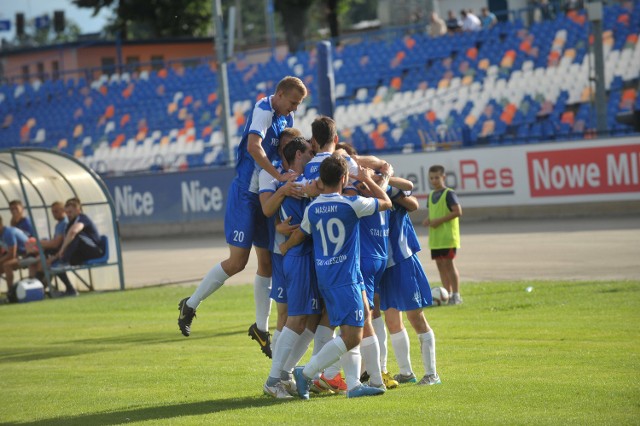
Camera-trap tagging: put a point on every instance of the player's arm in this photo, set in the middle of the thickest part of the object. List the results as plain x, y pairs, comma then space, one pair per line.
254, 147
401, 183
73, 231
271, 201
284, 227
409, 202
11, 253
366, 176
297, 237
53, 243
374, 163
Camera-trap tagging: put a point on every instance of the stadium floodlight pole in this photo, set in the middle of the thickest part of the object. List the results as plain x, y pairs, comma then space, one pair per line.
223, 82
594, 10
326, 85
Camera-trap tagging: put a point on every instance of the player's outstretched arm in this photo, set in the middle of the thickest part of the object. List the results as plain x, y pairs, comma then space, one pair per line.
401, 183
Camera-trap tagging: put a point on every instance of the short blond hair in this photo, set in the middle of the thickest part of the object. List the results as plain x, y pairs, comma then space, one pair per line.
291, 83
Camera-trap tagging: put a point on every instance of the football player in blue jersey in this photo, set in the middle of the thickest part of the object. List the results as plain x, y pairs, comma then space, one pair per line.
245, 224
333, 222
405, 288
303, 299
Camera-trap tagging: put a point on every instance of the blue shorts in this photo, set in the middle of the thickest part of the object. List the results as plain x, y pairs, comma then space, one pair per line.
372, 270
244, 222
278, 286
344, 305
302, 285
405, 286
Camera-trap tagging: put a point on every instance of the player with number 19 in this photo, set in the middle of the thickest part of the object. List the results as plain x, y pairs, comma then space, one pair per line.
333, 222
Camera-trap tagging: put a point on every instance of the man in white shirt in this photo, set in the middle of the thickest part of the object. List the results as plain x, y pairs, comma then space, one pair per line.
470, 22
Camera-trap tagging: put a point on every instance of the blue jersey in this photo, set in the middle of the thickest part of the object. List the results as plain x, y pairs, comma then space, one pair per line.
374, 234
268, 183
265, 123
295, 208
312, 169
25, 226
60, 227
333, 222
403, 241
13, 237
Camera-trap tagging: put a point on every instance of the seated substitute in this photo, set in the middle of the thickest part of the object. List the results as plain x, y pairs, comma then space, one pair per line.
82, 240
19, 219
13, 242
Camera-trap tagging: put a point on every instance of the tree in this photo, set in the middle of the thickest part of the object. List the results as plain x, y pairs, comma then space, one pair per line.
155, 18
294, 20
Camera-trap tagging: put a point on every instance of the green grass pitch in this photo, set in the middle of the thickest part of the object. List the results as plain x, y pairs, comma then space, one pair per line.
564, 353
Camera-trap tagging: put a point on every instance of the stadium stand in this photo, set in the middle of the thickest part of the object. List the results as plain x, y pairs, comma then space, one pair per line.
394, 92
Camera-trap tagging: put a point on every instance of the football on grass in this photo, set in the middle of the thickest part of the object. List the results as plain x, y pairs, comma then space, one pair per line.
440, 296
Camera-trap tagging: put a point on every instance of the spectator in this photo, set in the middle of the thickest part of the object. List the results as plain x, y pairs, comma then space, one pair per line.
437, 27
81, 241
546, 9
488, 18
470, 22
18, 218
51, 247
453, 23
13, 241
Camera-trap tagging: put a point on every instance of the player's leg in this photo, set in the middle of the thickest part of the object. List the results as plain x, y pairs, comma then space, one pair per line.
401, 345
369, 348
427, 346
444, 273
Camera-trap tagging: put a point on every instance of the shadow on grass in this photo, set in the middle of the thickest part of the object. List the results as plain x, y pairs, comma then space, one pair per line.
92, 345
158, 413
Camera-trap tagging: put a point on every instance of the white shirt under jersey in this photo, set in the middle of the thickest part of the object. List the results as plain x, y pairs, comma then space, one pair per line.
333, 222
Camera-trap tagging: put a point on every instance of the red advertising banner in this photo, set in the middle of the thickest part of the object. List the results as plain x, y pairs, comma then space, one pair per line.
602, 170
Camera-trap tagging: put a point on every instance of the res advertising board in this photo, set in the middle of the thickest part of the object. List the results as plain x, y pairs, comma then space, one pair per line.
550, 173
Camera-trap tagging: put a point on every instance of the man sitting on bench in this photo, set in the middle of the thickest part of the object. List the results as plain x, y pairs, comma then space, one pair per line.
81, 241
12, 242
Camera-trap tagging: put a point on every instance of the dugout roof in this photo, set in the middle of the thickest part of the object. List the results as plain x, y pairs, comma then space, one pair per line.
38, 178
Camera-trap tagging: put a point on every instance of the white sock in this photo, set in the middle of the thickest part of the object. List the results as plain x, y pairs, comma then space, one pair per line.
261, 291
381, 333
298, 350
287, 340
209, 284
333, 370
351, 363
323, 335
371, 356
274, 340
400, 344
330, 353
428, 350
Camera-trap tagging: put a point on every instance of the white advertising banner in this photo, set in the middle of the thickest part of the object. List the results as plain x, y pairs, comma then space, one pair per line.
549, 173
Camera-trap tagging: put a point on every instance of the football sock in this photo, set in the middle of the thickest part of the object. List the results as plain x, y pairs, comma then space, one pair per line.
400, 344
371, 356
274, 339
209, 284
261, 291
381, 333
330, 353
351, 363
286, 341
428, 350
298, 350
323, 335
333, 370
